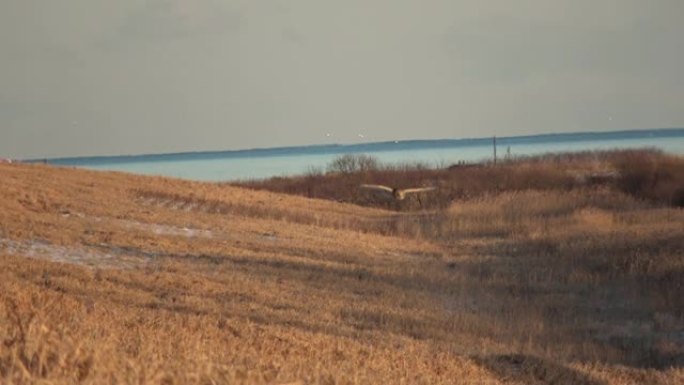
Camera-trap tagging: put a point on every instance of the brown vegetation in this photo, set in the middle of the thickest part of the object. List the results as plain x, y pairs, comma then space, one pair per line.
547, 270
644, 174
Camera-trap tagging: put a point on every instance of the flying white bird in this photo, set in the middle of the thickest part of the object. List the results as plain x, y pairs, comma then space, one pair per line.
398, 194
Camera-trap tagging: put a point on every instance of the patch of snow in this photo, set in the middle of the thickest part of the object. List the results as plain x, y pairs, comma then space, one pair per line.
85, 256
156, 228
160, 229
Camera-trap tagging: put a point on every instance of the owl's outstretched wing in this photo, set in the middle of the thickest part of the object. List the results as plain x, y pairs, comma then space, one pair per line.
417, 190
377, 187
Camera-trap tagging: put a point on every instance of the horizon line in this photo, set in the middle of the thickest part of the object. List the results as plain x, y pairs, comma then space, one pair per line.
342, 145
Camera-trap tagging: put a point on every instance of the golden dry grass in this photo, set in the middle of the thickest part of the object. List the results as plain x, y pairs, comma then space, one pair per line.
114, 278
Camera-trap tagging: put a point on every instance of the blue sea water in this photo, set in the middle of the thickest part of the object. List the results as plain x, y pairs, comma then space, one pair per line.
264, 163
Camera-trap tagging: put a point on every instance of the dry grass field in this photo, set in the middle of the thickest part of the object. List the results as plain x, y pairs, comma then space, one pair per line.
543, 271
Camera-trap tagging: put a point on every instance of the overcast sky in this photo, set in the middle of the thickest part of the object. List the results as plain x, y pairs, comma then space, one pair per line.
93, 77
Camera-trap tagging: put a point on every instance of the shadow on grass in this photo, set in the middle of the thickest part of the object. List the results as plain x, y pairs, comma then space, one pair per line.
533, 370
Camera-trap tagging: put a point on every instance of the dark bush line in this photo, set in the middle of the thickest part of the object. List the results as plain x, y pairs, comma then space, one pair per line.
646, 174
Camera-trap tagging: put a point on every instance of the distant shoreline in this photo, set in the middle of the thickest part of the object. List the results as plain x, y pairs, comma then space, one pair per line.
368, 147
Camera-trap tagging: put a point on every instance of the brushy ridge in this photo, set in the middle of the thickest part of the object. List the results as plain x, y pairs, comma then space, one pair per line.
642, 173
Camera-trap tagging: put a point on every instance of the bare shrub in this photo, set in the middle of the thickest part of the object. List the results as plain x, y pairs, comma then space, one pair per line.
352, 163
651, 175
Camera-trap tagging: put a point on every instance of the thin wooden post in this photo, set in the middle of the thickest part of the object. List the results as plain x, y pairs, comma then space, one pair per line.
494, 144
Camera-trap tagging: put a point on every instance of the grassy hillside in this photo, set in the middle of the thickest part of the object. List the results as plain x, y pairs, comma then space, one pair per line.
554, 274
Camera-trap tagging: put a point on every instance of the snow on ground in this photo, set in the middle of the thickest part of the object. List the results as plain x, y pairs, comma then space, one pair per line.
87, 256
160, 229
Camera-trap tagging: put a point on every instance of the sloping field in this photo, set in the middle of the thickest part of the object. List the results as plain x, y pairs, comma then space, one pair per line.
114, 278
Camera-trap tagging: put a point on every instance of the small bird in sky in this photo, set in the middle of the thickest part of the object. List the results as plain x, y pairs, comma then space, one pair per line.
398, 194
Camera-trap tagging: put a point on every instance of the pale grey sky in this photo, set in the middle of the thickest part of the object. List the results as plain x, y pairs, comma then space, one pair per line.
93, 77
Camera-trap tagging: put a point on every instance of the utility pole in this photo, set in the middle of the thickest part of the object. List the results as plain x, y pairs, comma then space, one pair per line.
494, 144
